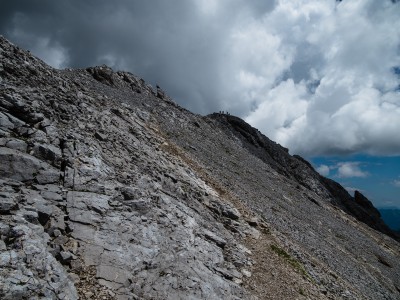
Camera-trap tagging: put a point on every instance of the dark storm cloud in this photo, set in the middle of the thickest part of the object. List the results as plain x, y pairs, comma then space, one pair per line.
173, 43
316, 76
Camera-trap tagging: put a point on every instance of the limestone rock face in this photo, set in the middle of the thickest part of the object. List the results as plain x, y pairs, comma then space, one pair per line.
109, 190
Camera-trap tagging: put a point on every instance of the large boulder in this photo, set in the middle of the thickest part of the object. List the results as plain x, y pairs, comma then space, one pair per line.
19, 166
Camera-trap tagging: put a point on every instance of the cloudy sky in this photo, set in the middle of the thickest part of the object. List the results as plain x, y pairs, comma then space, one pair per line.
321, 77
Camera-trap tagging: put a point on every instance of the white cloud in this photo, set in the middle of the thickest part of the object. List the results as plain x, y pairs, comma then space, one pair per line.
348, 51
41, 46
396, 182
283, 108
55, 54
323, 170
350, 169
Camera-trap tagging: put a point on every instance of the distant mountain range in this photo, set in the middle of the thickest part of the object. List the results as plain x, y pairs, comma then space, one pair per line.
391, 216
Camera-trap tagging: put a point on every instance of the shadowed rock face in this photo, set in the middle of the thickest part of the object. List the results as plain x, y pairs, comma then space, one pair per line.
109, 190
298, 169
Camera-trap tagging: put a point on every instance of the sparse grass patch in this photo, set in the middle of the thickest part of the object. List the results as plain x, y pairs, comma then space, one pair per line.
292, 261
340, 236
280, 252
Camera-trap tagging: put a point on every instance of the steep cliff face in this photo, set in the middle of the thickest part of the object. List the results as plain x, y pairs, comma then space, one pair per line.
109, 190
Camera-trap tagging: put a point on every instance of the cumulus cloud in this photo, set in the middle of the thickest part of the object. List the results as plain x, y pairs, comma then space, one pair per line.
396, 182
323, 170
319, 77
350, 169
345, 60
53, 52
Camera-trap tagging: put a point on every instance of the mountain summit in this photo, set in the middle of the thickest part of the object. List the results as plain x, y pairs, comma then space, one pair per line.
110, 190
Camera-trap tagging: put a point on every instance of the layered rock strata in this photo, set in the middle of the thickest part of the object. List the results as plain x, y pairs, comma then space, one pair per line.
110, 190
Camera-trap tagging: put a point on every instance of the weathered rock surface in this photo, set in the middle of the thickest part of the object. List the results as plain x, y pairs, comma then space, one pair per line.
297, 169
109, 190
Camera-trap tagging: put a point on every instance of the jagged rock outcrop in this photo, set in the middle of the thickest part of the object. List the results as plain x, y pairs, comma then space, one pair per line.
109, 190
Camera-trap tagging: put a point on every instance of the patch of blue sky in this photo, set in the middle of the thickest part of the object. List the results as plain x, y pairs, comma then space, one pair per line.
377, 177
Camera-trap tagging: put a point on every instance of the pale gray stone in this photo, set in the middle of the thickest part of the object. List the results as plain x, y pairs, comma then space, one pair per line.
19, 166
5, 122
16, 144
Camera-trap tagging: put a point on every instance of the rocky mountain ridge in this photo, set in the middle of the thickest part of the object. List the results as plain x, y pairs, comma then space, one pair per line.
110, 190
300, 170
